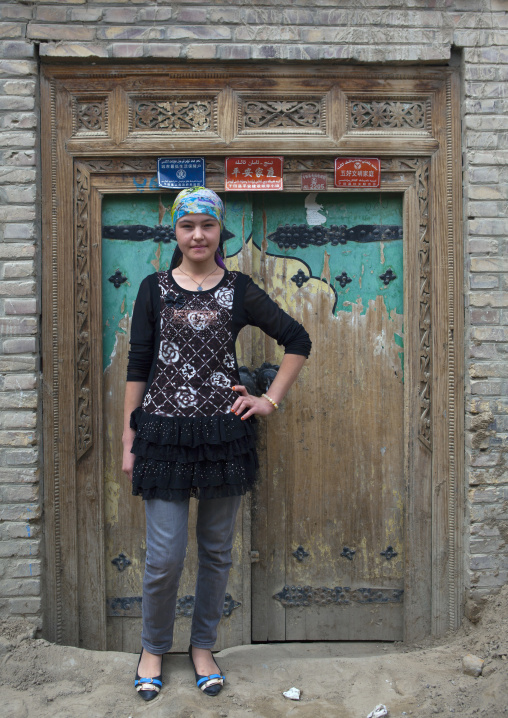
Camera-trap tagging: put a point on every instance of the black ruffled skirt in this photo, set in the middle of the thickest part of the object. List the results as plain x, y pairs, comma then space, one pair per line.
205, 457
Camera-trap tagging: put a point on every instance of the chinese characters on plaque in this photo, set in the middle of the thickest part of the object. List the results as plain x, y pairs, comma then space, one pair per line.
357, 172
253, 173
181, 172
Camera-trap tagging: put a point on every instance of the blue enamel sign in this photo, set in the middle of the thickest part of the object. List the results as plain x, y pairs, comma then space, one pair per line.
181, 172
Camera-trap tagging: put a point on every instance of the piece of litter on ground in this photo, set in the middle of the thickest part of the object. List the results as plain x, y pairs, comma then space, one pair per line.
293, 694
378, 712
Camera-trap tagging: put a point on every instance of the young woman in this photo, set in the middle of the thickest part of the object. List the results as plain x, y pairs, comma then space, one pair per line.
188, 425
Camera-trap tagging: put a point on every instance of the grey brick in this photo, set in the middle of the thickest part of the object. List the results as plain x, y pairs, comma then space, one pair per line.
18, 457
18, 419
17, 270
60, 32
25, 606
16, 12
85, 14
11, 29
20, 306
489, 264
18, 400
483, 246
19, 547
17, 289
483, 316
18, 139
166, 49
73, 49
122, 14
12, 494
488, 227
191, 15
154, 14
22, 569
19, 231
20, 345
19, 158
14, 175
484, 281
20, 475
15, 530
18, 120
18, 363
130, 33
21, 326
51, 13
18, 382
492, 299
197, 32
126, 49
17, 250
201, 52
17, 87
16, 49
17, 67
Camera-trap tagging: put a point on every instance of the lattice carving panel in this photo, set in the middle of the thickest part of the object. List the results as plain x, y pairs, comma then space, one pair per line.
304, 115
407, 116
174, 115
90, 116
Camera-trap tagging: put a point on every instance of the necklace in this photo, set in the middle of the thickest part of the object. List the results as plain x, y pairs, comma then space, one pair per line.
200, 288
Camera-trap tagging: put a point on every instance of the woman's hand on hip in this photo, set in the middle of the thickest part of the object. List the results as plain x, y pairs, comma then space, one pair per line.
248, 405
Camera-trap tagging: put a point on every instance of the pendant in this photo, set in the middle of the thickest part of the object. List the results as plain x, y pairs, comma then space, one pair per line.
200, 288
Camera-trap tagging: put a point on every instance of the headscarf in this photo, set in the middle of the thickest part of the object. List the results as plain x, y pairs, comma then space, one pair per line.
197, 200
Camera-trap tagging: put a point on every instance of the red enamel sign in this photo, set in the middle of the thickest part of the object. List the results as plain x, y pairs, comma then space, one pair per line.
253, 173
314, 181
357, 172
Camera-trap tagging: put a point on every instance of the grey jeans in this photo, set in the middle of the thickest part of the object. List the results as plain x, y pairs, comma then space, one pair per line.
166, 544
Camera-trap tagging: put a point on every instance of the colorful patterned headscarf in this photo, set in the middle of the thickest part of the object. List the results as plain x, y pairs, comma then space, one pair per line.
197, 200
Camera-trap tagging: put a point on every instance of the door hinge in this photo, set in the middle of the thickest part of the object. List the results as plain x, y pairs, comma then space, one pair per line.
254, 556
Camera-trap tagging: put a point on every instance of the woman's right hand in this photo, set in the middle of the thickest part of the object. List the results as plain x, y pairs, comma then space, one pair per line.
128, 458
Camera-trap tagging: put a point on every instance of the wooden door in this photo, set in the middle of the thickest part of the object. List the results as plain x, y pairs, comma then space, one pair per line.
103, 128
328, 513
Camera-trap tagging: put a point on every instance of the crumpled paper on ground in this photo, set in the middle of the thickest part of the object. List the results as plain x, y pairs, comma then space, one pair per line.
293, 694
378, 712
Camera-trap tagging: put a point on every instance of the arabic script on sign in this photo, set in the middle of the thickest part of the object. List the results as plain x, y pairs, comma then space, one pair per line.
253, 173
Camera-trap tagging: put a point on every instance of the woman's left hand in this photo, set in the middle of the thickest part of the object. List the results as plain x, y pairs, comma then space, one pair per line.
250, 404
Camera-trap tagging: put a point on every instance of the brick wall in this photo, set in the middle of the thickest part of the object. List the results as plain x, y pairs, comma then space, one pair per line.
373, 31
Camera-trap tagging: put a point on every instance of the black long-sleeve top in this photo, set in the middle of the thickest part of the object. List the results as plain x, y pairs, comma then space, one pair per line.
251, 306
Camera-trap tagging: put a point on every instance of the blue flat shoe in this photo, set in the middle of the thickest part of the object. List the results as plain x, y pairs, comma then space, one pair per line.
212, 684
148, 694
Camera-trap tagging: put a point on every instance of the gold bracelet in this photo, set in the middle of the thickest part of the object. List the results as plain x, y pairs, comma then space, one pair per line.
265, 396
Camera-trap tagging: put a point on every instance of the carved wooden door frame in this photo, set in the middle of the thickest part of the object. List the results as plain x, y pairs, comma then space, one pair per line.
103, 128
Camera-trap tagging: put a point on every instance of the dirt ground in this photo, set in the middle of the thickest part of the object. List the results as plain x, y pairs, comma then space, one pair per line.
339, 680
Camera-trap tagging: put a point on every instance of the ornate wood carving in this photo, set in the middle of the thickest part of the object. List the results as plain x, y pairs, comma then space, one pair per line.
388, 114
289, 114
175, 114
424, 429
90, 116
83, 394
122, 164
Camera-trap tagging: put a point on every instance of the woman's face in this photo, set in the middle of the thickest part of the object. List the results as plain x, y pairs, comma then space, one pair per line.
198, 236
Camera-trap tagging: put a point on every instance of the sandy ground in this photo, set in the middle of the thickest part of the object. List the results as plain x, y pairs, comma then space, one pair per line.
339, 680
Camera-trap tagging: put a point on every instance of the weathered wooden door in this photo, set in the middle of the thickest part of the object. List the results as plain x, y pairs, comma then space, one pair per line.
327, 530
328, 515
